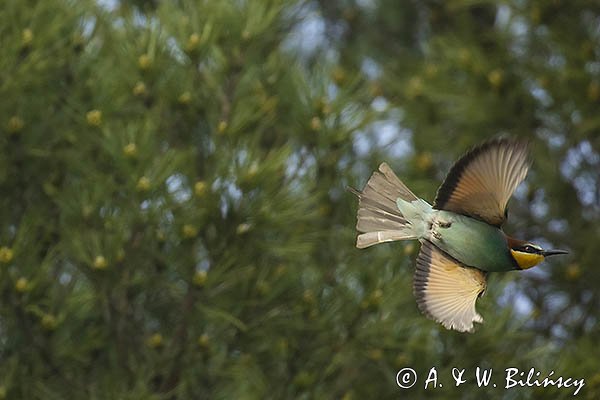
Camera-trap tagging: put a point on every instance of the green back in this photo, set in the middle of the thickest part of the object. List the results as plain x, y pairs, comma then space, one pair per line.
474, 243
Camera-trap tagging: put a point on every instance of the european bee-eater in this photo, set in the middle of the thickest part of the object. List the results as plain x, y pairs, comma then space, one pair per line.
461, 236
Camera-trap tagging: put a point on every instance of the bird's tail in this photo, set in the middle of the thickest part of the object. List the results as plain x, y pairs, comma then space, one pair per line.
388, 210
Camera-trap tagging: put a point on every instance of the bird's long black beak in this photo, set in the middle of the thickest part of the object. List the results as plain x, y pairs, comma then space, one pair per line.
547, 253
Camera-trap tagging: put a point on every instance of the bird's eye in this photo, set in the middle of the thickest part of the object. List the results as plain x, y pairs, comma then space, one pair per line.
529, 249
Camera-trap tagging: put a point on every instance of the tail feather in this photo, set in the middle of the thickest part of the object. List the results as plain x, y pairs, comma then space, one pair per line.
372, 220
370, 238
379, 219
387, 217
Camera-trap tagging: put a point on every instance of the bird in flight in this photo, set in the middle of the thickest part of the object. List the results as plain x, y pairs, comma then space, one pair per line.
461, 234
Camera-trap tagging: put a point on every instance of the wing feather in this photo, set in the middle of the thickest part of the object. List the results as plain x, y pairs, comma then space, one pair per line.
481, 183
446, 290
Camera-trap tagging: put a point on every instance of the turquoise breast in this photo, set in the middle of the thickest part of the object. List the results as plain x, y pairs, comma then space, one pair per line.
472, 242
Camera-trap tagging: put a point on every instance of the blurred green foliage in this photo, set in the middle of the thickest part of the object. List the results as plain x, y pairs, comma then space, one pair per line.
173, 216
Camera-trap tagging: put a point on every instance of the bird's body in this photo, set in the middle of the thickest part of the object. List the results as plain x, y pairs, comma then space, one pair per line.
461, 236
475, 243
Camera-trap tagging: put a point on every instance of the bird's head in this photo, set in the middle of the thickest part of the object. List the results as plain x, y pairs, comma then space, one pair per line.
527, 254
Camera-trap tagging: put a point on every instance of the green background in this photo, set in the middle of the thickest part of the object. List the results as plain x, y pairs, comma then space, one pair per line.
174, 222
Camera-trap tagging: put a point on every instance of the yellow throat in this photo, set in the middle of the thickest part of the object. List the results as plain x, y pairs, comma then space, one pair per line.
526, 260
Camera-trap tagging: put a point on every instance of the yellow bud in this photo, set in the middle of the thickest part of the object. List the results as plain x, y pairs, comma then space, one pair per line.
270, 104
22, 285
49, 322
375, 89
424, 161
375, 354
87, 210
222, 127
204, 341
100, 263
535, 15
593, 91
192, 42
49, 188
144, 61
280, 270
26, 37
349, 13
401, 360
263, 288
364, 304
348, 395
414, 87
339, 75
308, 297
199, 278
243, 228
315, 123
155, 341
160, 235
587, 49
431, 70
200, 188
143, 184
409, 249
139, 89
495, 78
324, 209
325, 108
376, 297
252, 170
130, 150
94, 117
6, 254
185, 98
189, 231
15, 124
595, 380
120, 255
283, 345
464, 56
304, 379
573, 272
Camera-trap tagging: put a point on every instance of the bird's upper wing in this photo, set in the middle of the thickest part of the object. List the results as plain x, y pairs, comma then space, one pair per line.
446, 290
480, 184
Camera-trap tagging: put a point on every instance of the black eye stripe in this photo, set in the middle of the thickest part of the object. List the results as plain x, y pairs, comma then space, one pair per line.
529, 249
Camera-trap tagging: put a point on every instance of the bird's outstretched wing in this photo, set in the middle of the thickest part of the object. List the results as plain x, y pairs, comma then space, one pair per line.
480, 183
446, 291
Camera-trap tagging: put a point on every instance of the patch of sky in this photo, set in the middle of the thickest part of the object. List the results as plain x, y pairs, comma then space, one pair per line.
539, 93
558, 225
308, 36
584, 180
512, 296
386, 135
371, 68
108, 5
177, 186
231, 194
539, 207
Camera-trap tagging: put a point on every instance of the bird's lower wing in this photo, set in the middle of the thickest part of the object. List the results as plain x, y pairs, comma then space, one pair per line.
446, 290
